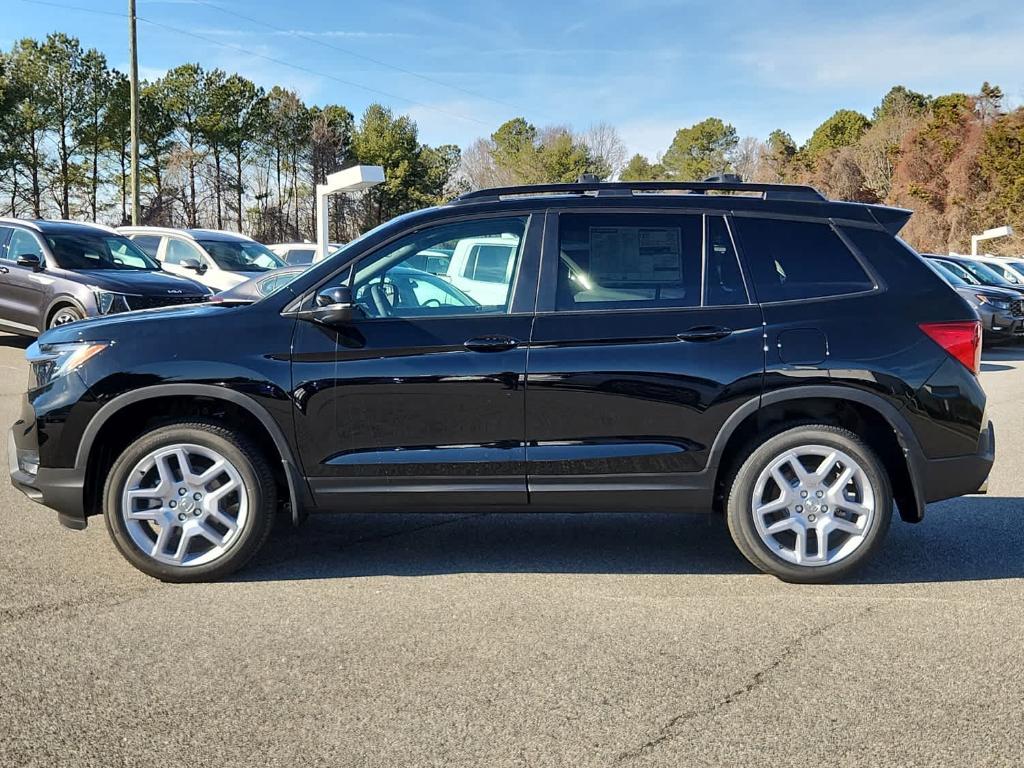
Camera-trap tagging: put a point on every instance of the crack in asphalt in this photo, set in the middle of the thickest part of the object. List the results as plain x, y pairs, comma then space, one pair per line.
673, 726
10, 616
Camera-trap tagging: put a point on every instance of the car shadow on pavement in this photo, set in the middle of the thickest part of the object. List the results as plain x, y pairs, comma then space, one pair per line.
975, 538
15, 342
1008, 353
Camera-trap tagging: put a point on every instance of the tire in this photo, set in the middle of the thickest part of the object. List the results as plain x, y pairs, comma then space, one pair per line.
234, 501
64, 315
863, 504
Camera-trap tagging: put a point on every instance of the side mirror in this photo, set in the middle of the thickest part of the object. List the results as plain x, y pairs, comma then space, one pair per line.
33, 260
334, 306
193, 264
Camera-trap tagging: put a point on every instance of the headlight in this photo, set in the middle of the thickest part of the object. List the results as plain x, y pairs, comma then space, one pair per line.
49, 362
994, 303
109, 302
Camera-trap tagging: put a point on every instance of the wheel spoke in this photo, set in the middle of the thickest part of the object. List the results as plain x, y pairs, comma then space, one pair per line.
156, 514
777, 505
802, 475
212, 499
211, 474
800, 550
839, 524
163, 469
825, 466
212, 536
226, 520
785, 524
841, 481
853, 506
160, 545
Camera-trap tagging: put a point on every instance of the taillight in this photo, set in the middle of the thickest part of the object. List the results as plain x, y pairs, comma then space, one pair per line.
960, 339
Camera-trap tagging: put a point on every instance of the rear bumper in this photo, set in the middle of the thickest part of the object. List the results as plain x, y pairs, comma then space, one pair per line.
960, 475
59, 489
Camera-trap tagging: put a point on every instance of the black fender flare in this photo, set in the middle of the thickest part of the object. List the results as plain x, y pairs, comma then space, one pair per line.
298, 490
912, 452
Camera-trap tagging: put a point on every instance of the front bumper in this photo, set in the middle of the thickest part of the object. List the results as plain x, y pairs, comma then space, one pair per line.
961, 475
60, 489
1000, 325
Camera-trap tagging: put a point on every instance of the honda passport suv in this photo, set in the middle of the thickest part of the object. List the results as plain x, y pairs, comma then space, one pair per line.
751, 350
57, 272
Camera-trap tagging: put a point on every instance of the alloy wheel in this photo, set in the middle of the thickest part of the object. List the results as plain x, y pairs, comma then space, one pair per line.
184, 505
813, 505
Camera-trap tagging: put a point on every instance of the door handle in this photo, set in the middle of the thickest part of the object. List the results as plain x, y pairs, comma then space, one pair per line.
491, 344
704, 333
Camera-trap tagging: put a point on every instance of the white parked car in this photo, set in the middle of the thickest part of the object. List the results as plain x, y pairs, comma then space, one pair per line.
1010, 267
218, 259
481, 267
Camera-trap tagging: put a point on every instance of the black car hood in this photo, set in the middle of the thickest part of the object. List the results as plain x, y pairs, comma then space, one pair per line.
142, 282
118, 325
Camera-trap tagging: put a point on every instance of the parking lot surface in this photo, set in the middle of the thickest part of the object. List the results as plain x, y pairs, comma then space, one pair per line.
502, 640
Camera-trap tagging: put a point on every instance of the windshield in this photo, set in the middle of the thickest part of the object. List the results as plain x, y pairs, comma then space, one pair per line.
87, 250
953, 268
986, 275
242, 255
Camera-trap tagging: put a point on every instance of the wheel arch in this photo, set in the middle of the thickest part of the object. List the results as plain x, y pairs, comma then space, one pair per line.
90, 455
58, 302
870, 416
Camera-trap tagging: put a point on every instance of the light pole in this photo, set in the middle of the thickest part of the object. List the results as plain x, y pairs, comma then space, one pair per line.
989, 234
134, 119
352, 179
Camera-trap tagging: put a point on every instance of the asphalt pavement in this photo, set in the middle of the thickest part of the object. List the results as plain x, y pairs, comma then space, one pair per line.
518, 640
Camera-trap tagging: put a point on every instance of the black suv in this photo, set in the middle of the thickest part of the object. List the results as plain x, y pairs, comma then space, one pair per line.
753, 350
57, 272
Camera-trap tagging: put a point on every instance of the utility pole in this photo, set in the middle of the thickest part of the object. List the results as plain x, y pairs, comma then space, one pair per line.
134, 78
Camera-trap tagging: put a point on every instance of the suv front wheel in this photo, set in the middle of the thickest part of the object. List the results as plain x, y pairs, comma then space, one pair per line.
810, 504
189, 502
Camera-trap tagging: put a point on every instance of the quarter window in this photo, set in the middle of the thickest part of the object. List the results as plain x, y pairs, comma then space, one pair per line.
798, 260
4, 233
629, 261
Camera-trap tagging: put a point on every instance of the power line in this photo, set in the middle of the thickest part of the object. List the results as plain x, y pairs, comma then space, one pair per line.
364, 57
271, 59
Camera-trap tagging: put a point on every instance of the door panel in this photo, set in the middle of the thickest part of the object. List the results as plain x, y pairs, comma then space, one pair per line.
418, 402
23, 287
623, 406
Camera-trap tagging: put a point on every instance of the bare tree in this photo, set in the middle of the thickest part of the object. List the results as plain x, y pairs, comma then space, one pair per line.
747, 158
606, 147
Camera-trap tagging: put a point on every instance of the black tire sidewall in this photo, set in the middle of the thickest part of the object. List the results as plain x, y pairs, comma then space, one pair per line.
255, 476
740, 516
68, 309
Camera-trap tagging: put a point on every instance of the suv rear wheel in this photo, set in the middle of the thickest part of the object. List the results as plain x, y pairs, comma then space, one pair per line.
810, 504
189, 502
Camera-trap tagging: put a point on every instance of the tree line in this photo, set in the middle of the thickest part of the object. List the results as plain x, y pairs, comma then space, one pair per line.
956, 160
217, 150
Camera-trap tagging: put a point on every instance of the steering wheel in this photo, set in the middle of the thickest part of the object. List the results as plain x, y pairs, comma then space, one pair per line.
431, 303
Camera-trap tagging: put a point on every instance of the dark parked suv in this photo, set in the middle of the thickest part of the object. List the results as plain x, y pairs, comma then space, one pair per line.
56, 272
766, 354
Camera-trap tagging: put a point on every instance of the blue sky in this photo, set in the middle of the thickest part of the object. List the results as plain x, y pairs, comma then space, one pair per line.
646, 66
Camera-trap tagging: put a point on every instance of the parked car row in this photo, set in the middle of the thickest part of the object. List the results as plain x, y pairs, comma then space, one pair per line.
994, 286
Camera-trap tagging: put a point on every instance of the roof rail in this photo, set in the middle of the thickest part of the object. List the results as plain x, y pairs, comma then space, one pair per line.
93, 224
793, 192
24, 222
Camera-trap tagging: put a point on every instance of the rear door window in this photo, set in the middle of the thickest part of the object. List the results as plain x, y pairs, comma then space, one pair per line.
628, 261
798, 260
150, 244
